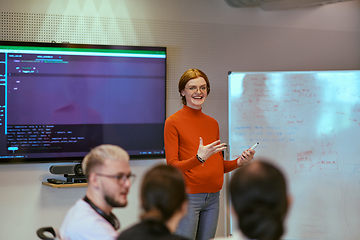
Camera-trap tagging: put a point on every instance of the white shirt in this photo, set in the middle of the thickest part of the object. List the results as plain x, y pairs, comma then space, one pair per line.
236, 235
82, 222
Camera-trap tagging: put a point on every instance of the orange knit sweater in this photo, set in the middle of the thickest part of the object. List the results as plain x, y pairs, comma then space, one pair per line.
181, 136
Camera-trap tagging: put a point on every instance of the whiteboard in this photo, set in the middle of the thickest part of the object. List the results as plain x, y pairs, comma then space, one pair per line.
309, 124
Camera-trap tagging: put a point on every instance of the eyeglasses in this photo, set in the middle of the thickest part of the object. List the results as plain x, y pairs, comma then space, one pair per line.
194, 89
121, 178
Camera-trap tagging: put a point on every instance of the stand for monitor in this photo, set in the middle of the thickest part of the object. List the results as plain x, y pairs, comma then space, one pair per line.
72, 173
74, 178
72, 185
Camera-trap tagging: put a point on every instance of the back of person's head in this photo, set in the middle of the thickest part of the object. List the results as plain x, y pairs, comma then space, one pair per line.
97, 156
259, 198
162, 193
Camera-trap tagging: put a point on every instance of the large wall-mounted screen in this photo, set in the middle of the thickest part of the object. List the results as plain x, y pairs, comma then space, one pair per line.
57, 101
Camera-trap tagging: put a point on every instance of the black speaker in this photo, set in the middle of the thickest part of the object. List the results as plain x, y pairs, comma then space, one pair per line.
67, 169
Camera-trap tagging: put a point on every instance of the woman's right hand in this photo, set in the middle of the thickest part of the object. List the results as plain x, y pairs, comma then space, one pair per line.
204, 152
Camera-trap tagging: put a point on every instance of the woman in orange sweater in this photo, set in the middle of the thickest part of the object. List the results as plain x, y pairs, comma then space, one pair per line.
192, 144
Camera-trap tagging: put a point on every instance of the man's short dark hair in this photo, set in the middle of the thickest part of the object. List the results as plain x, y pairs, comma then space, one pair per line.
258, 195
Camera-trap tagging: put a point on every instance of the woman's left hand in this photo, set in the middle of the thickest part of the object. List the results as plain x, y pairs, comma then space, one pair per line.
246, 157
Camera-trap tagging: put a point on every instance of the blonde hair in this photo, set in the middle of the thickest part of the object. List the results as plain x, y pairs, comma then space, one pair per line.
97, 156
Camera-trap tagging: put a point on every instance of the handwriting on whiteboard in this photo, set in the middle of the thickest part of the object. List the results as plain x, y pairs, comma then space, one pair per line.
326, 161
297, 114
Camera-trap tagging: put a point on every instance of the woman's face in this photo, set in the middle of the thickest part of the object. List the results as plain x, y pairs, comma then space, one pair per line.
195, 92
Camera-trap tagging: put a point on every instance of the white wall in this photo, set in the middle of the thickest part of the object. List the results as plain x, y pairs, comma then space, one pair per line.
205, 34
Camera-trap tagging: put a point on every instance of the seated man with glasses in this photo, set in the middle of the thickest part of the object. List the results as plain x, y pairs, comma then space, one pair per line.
109, 178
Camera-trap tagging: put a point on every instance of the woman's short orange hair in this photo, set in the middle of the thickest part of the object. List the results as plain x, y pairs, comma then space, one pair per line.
187, 76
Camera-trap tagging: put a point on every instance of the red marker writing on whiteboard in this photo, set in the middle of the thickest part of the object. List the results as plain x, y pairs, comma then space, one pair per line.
255, 145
